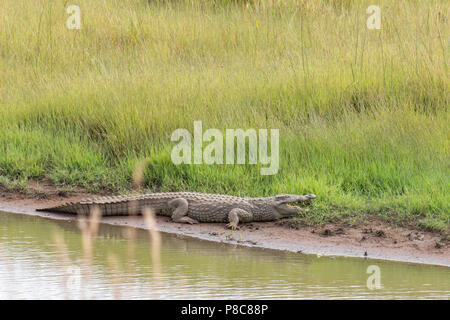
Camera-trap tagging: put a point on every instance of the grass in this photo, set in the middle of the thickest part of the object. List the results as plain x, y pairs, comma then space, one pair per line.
363, 114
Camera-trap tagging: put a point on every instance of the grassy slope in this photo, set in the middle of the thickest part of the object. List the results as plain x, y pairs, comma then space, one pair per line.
363, 114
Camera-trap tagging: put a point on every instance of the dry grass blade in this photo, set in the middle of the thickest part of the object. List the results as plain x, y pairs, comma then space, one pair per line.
138, 176
155, 238
89, 230
130, 234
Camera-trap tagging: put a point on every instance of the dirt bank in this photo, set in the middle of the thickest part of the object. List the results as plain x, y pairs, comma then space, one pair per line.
371, 240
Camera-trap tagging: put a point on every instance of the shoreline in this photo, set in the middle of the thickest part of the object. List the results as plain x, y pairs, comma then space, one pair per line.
370, 240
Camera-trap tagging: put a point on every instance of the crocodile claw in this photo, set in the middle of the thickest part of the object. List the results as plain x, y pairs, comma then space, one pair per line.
232, 226
191, 221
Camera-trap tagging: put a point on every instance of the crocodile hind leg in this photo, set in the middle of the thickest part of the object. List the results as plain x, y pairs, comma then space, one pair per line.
181, 209
237, 215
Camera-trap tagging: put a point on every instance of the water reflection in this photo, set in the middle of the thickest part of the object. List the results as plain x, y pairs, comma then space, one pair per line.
42, 258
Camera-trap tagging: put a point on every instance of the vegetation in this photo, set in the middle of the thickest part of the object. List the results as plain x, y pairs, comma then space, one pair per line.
363, 114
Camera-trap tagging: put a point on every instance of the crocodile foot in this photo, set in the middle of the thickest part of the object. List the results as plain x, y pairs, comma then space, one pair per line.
232, 226
186, 220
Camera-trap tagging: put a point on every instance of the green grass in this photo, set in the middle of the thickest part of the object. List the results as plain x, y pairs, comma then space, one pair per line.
363, 114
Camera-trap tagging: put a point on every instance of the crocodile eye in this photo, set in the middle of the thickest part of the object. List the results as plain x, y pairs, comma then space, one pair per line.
281, 197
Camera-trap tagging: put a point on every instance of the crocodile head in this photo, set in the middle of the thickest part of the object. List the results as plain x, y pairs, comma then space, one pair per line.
283, 203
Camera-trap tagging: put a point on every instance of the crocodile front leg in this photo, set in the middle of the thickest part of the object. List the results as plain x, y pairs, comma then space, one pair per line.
237, 215
181, 209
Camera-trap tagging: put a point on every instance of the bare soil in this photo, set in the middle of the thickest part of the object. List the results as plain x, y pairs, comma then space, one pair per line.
372, 239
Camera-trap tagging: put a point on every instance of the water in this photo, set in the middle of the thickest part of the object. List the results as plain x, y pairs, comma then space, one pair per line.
44, 259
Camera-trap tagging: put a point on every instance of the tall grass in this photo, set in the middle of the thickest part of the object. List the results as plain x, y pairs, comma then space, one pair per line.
363, 114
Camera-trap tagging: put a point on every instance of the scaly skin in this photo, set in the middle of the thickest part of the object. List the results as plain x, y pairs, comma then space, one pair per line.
192, 207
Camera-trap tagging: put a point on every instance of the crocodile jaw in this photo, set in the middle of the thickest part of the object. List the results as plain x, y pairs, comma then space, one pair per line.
284, 207
286, 210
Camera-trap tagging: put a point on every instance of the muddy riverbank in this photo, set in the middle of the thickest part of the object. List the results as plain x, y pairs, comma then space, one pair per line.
370, 240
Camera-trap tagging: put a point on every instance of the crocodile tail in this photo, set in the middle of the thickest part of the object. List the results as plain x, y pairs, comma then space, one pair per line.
69, 207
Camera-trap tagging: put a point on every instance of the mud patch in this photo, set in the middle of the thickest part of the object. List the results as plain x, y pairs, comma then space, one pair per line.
329, 232
412, 236
290, 224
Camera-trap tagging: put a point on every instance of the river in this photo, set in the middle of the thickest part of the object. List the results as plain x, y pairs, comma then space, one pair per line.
42, 258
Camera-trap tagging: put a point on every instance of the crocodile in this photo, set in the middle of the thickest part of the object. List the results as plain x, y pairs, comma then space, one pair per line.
192, 207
